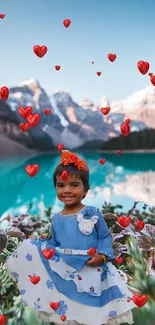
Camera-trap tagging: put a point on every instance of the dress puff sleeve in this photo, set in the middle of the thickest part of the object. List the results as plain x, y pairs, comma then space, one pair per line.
104, 238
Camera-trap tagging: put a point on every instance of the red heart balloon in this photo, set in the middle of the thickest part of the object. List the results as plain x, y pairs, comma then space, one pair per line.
102, 161
57, 67
98, 73
25, 111
32, 170
60, 146
125, 129
139, 224
34, 279
112, 57
33, 119
47, 112
119, 260
3, 320
118, 152
63, 318
54, 305
40, 51
152, 79
67, 22
105, 110
140, 301
91, 251
24, 127
64, 175
124, 221
4, 93
143, 67
2, 16
127, 121
48, 253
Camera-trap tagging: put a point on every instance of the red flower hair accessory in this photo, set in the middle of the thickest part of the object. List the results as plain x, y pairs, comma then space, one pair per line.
68, 158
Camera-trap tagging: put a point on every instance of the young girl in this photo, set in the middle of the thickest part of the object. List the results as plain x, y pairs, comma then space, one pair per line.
70, 278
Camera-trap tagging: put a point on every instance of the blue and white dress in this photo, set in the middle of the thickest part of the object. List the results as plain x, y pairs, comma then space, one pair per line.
64, 288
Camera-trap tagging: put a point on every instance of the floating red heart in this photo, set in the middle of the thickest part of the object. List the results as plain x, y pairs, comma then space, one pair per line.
63, 318
140, 301
67, 22
24, 127
48, 253
152, 79
143, 67
111, 57
4, 93
34, 279
127, 121
40, 51
57, 67
3, 320
60, 146
91, 251
105, 110
139, 224
119, 260
54, 305
125, 129
2, 16
102, 161
47, 111
118, 152
64, 175
25, 111
32, 170
98, 73
124, 221
33, 119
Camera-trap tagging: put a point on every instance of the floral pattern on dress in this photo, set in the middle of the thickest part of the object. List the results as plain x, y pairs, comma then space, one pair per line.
112, 314
16, 275
92, 291
28, 257
15, 254
36, 304
22, 292
62, 308
73, 274
49, 284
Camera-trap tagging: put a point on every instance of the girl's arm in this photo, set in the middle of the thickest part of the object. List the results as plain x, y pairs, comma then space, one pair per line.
104, 238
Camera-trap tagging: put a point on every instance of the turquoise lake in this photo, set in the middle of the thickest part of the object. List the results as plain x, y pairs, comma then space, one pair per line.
122, 180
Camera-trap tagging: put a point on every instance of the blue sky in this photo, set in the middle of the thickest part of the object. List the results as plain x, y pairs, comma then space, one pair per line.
99, 27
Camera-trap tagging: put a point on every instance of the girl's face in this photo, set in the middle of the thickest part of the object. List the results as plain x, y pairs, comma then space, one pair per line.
70, 192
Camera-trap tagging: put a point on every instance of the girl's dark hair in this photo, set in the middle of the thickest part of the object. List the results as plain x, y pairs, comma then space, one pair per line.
71, 168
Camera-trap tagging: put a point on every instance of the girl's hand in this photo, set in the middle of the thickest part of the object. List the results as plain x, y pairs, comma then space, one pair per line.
96, 260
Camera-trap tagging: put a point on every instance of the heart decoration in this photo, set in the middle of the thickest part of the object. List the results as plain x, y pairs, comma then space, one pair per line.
118, 152
152, 79
91, 251
105, 110
25, 111
43, 236
40, 51
63, 318
124, 222
54, 305
60, 146
47, 111
24, 127
125, 129
102, 161
111, 57
140, 301
33, 119
34, 279
32, 170
2, 16
48, 253
119, 260
143, 67
98, 73
57, 67
139, 224
64, 175
127, 121
3, 320
4, 93
67, 22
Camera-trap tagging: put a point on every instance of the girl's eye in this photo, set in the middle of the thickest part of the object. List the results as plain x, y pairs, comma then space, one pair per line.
74, 185
60, 185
